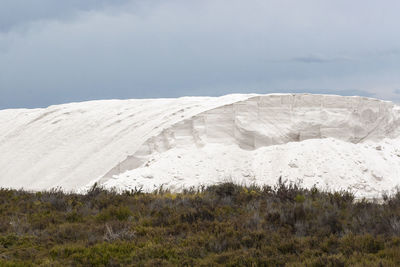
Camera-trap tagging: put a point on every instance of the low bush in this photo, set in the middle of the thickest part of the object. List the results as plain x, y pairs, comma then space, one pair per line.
220, 225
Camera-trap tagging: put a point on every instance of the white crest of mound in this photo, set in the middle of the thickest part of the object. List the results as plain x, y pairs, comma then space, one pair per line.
330, 141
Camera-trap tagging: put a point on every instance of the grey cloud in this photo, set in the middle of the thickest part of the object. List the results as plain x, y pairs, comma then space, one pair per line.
311, 59
390, 52
178, 47
15, 13
319, 59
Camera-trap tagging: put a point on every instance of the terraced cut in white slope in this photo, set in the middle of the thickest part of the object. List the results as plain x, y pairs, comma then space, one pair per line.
333, 142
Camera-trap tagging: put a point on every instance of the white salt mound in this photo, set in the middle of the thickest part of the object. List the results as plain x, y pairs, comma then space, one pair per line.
333, 142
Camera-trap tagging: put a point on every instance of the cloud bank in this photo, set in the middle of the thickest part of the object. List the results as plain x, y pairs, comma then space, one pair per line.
53, 52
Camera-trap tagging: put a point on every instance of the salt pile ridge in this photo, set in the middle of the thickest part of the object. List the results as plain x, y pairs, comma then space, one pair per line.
330, 141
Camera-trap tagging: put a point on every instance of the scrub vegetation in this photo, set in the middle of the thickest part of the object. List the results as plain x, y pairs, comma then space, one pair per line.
221, 225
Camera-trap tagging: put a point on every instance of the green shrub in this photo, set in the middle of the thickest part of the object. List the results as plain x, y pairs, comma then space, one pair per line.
220, 225
114, 213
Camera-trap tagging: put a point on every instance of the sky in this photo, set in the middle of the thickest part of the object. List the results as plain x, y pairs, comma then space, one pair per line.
54, 52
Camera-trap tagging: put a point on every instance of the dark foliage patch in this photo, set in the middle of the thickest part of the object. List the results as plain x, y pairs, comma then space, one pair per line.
227, 225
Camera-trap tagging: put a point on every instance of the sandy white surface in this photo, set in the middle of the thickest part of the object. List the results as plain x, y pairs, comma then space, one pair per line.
333, 142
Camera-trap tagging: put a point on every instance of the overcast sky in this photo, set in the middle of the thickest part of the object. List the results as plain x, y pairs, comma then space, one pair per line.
62, 51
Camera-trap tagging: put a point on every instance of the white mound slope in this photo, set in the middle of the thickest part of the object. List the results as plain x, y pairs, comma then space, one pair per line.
333, 142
